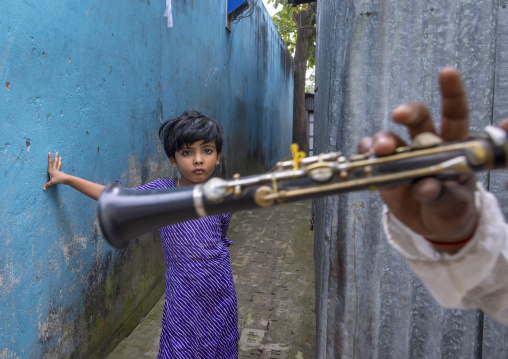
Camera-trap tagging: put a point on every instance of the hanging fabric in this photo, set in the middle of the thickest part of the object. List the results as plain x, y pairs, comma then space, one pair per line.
168, 13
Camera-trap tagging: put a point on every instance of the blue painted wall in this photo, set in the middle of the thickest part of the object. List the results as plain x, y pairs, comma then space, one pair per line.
94, 80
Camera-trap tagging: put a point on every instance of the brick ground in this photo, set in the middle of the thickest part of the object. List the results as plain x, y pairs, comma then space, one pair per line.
272, 262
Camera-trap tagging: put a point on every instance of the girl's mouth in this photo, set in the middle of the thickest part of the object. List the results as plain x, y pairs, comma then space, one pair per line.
198, 171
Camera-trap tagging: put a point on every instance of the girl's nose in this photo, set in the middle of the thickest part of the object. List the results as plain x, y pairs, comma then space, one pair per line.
198, 159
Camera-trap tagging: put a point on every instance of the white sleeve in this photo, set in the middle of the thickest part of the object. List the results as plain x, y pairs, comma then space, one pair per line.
476, 276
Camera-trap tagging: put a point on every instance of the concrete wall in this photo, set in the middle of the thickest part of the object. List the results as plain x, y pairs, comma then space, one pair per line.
371, 57
94, 80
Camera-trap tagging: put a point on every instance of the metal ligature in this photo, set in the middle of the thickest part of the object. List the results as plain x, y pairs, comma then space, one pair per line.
125, 215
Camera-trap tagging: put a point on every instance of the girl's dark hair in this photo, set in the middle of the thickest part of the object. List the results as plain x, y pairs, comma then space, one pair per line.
189, 127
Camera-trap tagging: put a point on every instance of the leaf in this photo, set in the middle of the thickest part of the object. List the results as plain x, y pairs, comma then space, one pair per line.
284, 20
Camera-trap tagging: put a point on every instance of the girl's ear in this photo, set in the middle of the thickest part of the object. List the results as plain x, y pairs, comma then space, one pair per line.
174, 164
217, 161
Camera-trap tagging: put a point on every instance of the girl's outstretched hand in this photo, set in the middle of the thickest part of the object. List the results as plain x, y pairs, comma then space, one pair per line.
91, 189
55, 175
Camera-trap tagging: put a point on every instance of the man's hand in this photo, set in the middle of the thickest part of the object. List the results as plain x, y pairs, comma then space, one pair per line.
442, 212
55, 175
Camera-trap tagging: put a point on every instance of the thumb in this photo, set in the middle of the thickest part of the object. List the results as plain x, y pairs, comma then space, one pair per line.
448, 210
47, 185
427, 190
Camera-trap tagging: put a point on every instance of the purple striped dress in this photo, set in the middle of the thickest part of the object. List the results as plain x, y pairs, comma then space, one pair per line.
200, 318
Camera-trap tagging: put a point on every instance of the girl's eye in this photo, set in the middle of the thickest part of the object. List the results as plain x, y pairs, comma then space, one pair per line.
185, 153
208, 151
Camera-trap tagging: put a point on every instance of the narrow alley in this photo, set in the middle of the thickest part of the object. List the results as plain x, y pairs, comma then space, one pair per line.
273, 267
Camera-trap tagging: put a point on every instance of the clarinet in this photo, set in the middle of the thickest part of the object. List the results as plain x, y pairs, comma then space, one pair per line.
125, 215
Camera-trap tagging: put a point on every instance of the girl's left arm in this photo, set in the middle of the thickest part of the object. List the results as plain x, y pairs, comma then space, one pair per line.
91, 189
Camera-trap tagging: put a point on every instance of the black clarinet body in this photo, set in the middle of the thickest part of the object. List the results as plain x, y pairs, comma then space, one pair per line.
124, 214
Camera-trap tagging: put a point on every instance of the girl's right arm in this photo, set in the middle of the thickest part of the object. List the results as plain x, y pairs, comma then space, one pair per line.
91, 189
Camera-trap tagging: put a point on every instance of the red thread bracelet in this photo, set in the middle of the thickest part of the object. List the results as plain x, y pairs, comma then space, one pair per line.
464, 241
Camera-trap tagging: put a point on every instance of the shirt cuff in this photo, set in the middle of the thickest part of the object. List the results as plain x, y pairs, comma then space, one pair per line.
413, 246
451, 276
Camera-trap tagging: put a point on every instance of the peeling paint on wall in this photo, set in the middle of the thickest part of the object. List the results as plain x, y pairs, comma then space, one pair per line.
134, 172
9, 279
52, 325
8, 354
65, 292
72, 248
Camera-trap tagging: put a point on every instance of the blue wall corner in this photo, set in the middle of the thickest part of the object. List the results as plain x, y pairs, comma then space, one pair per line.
94, 81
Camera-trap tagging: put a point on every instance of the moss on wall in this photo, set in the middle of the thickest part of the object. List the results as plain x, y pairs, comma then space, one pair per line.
94, 80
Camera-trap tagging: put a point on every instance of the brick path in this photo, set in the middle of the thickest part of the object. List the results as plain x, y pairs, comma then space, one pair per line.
273, 267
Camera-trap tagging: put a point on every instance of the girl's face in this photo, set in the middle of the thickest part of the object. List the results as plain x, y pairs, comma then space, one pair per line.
196, 162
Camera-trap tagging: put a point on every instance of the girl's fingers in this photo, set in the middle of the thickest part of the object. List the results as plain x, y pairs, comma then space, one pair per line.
50, 160
455, 108
415, 116
53, 165
47, 185
55, 162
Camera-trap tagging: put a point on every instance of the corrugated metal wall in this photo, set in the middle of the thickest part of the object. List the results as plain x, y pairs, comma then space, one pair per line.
371, 56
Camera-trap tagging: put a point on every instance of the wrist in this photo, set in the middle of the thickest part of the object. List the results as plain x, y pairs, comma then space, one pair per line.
449, 243
464, 235
450, 246
67, 179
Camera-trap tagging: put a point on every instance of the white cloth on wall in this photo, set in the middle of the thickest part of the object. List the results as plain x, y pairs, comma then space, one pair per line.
169, 13
476, 276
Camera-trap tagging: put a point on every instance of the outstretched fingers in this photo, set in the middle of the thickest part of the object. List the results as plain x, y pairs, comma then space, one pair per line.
54, 164
382, 144
415, 116
51, 163
50, 160
59, 163
385, 143
365, 144
455, 108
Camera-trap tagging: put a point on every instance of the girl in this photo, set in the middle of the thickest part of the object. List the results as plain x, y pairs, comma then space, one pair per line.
200, 313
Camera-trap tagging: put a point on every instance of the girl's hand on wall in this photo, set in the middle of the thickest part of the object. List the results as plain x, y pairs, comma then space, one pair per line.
55, 175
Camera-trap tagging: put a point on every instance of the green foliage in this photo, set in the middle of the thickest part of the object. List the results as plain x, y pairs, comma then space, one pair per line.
283, 19
287, 28
310, 83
